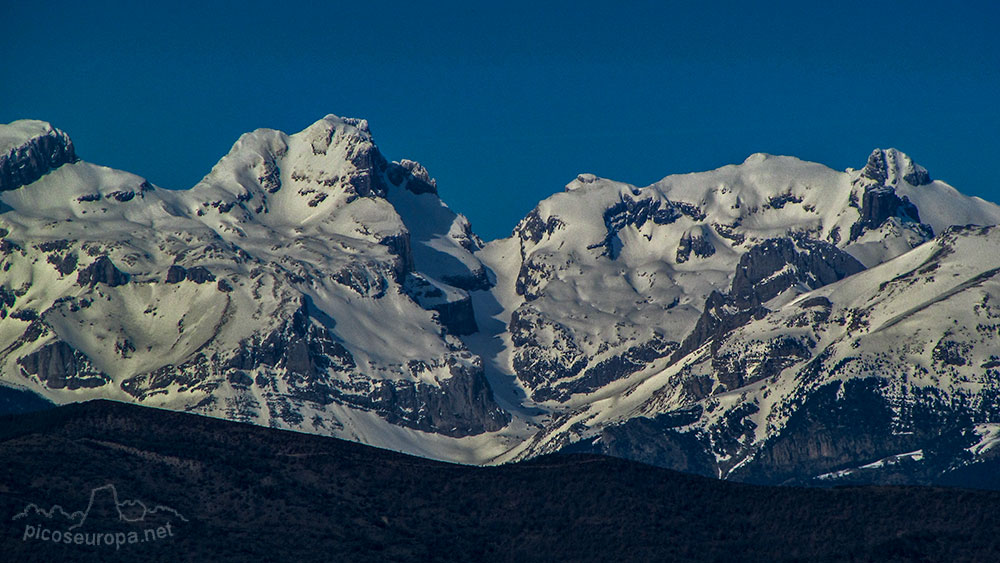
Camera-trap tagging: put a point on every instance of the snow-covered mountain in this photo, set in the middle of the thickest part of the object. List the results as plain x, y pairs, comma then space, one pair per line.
602, 279
895, 360
667, 324
774, 320
282, 289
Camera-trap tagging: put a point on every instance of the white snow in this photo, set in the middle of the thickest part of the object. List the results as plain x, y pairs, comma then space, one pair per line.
989, 437
17, 133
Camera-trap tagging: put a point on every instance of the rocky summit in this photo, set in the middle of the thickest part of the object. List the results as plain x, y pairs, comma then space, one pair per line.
773, 321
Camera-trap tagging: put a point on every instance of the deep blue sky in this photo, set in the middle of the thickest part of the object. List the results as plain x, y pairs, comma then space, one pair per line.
505, 104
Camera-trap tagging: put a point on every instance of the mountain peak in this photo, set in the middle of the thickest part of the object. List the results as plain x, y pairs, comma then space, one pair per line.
583, 180
17, 133
757, 157
888, 166
29, 149
357, 123
331, 124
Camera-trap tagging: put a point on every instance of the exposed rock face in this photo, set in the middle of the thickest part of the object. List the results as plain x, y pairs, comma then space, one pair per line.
880, 179
478, 280
844, 425
399, 245
629, 212
102, 270
411, 176
457, 316
59, 366
463, 405
303, 353
547, 357
367, 280
764, 272
887, 166
40, 149
775, 265
696, 242
7, 300
200, 274
734, 370
656, 441
454, 309
370, 165
636, 212
607, 268
532, 278
60, 255
879, 205
552, 365
533, 228
721, 316
176, 274
305, 359
197, 274
621, 365
843, 386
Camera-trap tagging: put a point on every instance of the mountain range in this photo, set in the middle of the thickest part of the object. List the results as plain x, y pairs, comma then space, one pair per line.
774, 321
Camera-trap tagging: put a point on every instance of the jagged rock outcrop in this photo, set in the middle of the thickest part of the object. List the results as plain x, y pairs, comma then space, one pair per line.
696, 242
29, 150
197, 274
533, 228
462, 405
477, 280
849, 424
629, 212
888, 166
411, 176
547, 357
721, 316
656, 441
176, 274
618, 366
878, 205
303, 348
766, 271
60, 366
776, 265
879, 180
457, 316
104, 271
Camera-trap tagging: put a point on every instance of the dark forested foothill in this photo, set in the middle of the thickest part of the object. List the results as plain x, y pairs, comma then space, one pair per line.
253, 493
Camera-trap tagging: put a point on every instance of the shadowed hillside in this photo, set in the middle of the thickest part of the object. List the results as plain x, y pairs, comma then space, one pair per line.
252, 493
